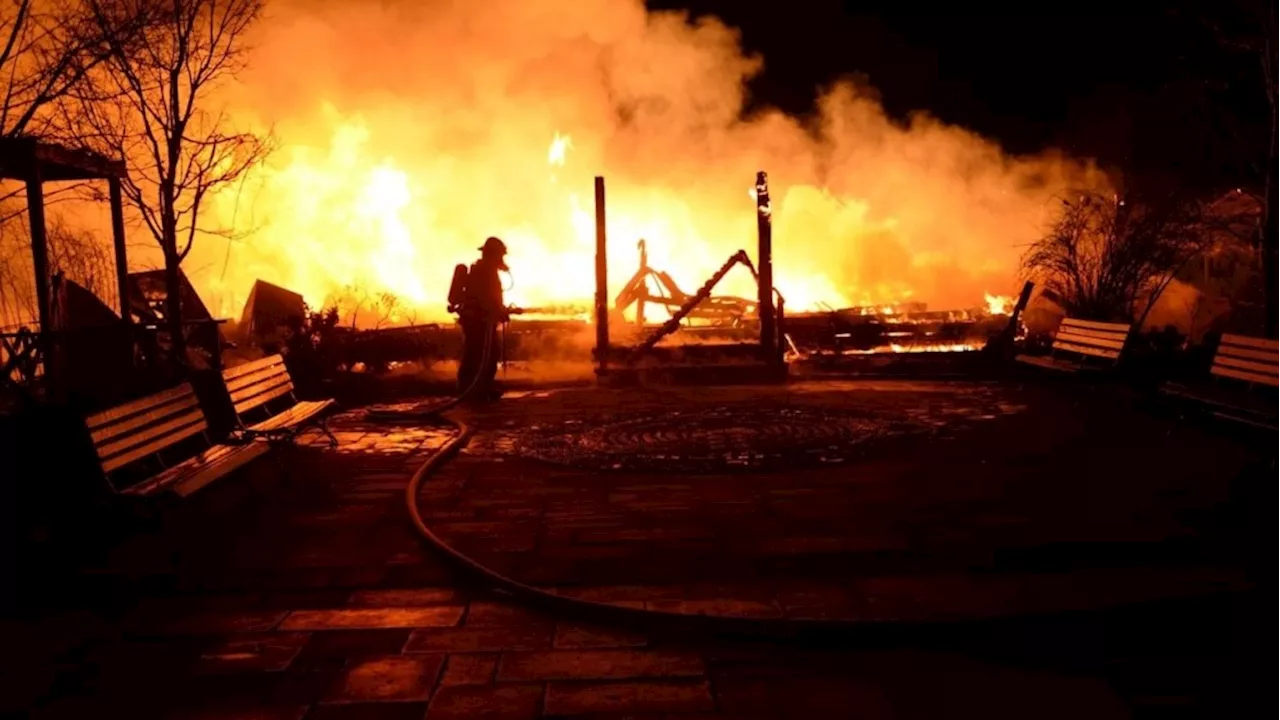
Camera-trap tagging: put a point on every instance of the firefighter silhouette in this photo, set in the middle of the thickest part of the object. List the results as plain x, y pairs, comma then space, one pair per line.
476, 295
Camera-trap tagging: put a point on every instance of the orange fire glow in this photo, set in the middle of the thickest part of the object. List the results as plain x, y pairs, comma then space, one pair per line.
417, 131
998, 304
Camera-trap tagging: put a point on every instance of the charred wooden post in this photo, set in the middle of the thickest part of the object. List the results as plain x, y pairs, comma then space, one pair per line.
1023, 298
39, 248
602, 282
1005, 339
764, 266
117, 238
644, 275
781, 348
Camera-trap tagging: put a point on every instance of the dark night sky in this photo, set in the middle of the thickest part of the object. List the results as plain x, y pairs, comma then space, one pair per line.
1140, 89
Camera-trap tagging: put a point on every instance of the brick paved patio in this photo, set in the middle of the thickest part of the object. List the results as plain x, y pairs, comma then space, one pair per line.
309, 596
938, 500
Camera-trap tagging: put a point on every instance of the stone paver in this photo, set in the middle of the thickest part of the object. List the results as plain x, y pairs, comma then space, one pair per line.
480, 639
403, 598
309, 596
667, 696
598, 665
391, 678
370, 618
491, 702
269, 653
580, 636
470, 670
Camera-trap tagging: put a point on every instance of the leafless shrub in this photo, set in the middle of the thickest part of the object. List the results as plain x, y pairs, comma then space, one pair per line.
76, 254
1107, 258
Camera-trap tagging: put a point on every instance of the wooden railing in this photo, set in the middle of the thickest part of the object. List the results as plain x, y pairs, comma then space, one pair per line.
21, 360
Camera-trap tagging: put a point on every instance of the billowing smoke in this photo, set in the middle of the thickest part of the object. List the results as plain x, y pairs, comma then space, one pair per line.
409, 131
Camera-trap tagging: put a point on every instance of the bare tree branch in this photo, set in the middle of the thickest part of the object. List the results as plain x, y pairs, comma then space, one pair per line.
50, 49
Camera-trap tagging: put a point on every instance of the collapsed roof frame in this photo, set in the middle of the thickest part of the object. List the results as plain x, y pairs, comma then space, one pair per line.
762, 269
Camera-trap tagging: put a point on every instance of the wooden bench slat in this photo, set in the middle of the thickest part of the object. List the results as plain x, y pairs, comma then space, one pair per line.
1098, 334
106, 433
1235, 351
253, 378
1075, 339
261, 387
1087, 350
166, 425
295, 415
1260, 343
1247, 376
235, 458
262, 397
1238, 364
176, 435
191, 475
234, 372
1253, 360
139, 406
1094, 325
289, 417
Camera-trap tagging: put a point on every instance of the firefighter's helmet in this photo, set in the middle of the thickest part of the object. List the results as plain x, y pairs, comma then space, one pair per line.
495, 246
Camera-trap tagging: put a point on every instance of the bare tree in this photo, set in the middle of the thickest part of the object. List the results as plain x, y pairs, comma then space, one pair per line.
49, 49
178, 149
1108, 259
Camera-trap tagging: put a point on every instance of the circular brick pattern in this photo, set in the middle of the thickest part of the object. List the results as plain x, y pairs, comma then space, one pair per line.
710, 439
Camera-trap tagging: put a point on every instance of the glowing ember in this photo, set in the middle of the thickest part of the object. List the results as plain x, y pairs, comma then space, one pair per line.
922, 348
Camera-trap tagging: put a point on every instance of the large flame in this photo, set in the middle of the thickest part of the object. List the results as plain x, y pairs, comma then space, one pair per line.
998, 304
408, 134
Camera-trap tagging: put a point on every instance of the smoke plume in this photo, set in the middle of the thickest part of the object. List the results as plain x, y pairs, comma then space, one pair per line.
410, 131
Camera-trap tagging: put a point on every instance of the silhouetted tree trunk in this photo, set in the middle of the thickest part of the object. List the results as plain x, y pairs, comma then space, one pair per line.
178, 149
1270, 258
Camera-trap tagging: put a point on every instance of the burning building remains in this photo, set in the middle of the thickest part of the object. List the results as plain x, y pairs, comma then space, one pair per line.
382, 182
497, 118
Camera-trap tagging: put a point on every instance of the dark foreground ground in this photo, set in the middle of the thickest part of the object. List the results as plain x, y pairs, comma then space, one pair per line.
307, 594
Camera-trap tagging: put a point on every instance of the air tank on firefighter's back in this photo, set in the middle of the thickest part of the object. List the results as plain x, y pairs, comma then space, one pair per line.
457, 288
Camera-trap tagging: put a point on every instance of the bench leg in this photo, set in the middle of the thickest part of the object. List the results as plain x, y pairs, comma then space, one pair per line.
324, 428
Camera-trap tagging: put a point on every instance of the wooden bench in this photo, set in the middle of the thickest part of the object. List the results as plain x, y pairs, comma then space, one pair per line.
1087, 345
264, 388
133, 441
1247, 374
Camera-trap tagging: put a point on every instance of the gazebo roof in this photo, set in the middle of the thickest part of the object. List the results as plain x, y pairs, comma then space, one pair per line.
27, 158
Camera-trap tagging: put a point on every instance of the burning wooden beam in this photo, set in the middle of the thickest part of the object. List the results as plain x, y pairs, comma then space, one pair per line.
764, 267
602, 282
692, 302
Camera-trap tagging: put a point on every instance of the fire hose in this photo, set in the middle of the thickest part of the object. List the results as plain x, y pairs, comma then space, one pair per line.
815, 631
485, 579
819, 630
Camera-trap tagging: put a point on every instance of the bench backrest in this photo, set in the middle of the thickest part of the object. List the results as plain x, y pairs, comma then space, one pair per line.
1246, 358
255, 384
145, 427
1086, 337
